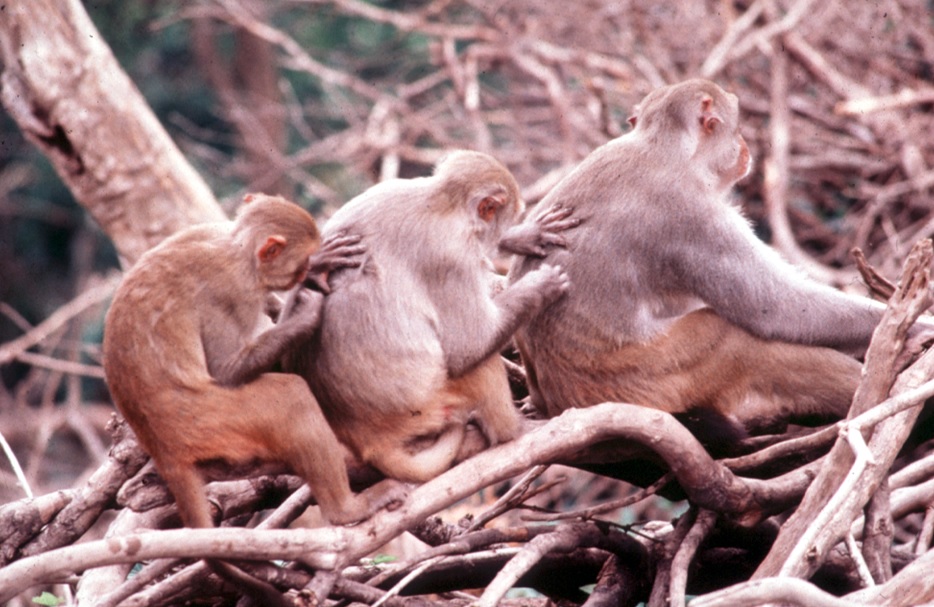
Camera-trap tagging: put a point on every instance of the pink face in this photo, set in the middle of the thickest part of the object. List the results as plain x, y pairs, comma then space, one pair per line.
743, 163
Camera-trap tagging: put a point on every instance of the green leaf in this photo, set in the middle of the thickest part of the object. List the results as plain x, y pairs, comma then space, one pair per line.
48, 599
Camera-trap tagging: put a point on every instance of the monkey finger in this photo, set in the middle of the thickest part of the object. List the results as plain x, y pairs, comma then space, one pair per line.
560, 211
318, 280
556, 213
341, 239
350, 249
353, 261
554, 239
344, 257
347, 250
564, 224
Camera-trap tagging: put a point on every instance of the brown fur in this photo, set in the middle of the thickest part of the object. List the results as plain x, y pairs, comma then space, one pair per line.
677, 305
408, 351
188, 352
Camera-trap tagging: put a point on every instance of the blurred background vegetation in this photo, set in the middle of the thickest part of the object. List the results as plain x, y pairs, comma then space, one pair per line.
318, 99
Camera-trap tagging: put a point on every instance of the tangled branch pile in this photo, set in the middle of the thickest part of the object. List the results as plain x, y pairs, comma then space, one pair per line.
836, 100
838, 109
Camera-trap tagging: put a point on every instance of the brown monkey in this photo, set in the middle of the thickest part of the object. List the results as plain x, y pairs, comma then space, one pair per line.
408, 349
188, 350
677, 305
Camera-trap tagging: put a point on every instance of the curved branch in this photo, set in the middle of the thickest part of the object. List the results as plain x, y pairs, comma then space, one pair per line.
709, 484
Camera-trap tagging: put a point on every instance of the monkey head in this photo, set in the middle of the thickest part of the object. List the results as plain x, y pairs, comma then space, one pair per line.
281, 237
705, 118
485, 187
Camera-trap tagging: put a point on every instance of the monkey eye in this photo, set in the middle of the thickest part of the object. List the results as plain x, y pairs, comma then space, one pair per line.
632, 120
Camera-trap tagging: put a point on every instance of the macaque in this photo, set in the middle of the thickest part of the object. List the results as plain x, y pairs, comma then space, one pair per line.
189, 351
676, 304
406, 363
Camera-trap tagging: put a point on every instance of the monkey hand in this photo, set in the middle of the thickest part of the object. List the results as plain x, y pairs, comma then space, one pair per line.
535, 236
303, 312
548, 281
337, 251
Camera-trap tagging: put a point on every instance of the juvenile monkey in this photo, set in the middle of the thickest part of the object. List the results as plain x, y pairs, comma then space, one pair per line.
677, 305
408, 349
188, 350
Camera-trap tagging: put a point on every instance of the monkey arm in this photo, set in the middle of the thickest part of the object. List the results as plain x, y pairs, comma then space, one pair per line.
752, 286
514, 306
300, 318
535, 235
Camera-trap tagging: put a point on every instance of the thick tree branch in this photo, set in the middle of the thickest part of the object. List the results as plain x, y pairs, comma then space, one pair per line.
66, 91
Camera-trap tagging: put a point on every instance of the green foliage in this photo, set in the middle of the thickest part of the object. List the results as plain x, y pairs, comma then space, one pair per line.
48, 599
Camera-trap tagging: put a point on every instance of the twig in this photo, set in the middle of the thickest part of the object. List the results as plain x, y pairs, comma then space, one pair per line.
93, 296
776, 171
717, 57
62, 366
866, 105
880, 286
297, 58
923, 543
460, 545
806, 542
660, 597
703, 524
594, 511
783, 591
516, 495
763, 36
857, 556
409, 22
14, 463
563, 538
401, 584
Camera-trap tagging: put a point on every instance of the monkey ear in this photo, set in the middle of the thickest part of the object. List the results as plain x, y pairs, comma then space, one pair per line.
632, 120
271, 249
488, 207
708, 118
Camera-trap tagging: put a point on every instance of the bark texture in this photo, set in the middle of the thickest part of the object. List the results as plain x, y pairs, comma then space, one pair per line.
69, 96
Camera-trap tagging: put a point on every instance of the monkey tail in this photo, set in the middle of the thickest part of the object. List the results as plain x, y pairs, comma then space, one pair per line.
264, 593
185, 483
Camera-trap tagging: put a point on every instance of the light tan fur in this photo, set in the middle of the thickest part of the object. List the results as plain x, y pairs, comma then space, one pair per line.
676, 304
408, 352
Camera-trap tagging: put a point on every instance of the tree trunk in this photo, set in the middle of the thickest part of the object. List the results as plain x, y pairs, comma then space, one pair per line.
70, 97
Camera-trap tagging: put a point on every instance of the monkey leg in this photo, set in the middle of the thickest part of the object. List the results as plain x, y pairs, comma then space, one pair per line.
417, 458
802, 384
297, 433
702, 366
185, 483
486, 391
420, 448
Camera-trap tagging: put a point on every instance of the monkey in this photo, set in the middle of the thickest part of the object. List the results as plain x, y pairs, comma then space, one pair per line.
406, 363
189, 350
676, 304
